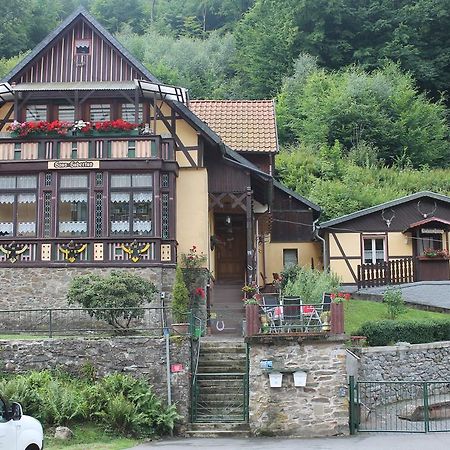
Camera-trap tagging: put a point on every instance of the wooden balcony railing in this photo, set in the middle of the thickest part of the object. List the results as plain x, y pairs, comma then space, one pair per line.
397, 271
104, 146
87, 251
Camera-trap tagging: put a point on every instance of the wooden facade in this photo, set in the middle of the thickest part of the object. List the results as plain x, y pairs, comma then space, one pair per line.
140, 196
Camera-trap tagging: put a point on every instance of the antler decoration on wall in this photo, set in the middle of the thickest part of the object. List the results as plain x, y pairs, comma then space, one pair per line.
426, 214
390, 219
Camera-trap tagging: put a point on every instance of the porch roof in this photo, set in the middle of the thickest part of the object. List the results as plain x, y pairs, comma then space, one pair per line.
427, 221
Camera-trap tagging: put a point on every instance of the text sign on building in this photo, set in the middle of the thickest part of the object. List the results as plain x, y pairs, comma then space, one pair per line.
432, 231
76, 164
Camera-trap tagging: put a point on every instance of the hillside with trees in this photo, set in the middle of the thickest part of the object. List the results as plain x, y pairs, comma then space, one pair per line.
360, 86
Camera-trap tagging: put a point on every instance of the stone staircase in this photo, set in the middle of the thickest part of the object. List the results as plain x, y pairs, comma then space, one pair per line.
220, 399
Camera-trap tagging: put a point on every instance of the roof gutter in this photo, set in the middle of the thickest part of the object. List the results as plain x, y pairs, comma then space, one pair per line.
324, 245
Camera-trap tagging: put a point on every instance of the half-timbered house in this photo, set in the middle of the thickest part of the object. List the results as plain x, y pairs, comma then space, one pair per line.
401, 241
194, 173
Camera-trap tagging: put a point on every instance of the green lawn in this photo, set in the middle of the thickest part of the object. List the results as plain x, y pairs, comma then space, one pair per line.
359, 311
88, 437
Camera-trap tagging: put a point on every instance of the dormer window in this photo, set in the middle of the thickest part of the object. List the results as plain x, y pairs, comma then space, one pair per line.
82, 47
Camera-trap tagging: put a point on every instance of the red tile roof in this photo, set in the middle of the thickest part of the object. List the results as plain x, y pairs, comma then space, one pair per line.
243, 125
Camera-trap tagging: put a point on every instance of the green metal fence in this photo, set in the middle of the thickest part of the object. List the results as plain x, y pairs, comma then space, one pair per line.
399, 406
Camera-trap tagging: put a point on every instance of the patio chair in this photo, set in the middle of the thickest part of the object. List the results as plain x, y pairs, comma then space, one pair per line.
326, 301
311, 317
292, 314
272, 309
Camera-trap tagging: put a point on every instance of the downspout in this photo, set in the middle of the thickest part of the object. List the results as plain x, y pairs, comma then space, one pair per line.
324, 245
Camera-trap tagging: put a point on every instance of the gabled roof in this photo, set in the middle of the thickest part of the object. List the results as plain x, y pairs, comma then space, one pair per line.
392, 203
298, 197
244, 125
55, 34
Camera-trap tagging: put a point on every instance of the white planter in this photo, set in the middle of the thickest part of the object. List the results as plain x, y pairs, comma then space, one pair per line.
275, 379
300, 379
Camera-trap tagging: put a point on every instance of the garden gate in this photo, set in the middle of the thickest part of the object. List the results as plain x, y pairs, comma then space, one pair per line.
399, 406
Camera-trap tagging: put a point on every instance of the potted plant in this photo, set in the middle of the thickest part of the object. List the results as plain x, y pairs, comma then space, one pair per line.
180, 303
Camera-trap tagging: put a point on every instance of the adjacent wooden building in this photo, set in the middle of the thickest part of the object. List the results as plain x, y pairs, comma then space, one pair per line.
401, 241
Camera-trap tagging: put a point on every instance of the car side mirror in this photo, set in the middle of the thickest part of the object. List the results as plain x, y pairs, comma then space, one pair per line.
16, 411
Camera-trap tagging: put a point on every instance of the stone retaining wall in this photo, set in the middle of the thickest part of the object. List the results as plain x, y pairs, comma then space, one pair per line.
46, 287
140, 357
413, 362
319, 409
403, 362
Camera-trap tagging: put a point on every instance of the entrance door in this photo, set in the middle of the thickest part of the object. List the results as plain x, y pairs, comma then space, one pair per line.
231, 252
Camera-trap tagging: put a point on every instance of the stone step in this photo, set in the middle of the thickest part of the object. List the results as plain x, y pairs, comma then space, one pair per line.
218, 434
223, 426
220, 418
223, 369
221, 350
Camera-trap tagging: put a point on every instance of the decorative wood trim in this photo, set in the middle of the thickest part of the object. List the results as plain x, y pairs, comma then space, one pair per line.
175, 136
350, 268
5, 119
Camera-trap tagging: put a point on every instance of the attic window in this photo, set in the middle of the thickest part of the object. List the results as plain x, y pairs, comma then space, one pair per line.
82, 46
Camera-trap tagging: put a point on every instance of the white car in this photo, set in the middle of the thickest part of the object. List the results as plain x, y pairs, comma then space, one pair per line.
17, 431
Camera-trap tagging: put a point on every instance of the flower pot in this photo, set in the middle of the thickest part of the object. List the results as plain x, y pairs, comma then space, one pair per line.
180, 328
252, 319
337, 318
275, 379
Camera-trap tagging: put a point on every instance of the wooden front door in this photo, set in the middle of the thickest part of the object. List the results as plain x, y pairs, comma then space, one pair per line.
232, 249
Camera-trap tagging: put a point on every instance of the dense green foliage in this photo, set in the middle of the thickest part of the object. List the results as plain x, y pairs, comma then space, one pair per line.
344, 184
344, 32
202, 65
118, 402
124, 292
310, 284
388, 332
382, 109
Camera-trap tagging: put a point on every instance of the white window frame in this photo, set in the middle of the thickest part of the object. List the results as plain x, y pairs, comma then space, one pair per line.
373, 239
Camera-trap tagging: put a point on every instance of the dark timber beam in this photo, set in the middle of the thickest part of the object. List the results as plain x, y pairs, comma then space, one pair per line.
249, 217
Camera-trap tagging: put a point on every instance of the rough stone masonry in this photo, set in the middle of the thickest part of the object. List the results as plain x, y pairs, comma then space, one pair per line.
318, 409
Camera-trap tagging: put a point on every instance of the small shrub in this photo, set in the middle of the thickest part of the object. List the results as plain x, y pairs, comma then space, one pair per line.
180, 298
124, 292
310, 284
388, 332
394, 302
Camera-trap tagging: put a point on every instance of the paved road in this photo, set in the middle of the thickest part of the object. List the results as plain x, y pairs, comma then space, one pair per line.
434, 441
429, 293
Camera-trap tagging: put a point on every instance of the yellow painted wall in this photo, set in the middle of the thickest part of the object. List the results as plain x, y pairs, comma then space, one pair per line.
183, 161
400, 244
305, 251
3, 111
339, 267
192, 210
350, 243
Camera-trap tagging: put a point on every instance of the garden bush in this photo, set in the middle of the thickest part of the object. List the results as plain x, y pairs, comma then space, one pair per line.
388, 332
118, 402
126, 294
310, 284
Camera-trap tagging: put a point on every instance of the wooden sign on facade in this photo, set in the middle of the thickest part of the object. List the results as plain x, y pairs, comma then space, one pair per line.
76, 164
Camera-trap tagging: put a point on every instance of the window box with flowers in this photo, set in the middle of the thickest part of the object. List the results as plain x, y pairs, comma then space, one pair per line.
431, 253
